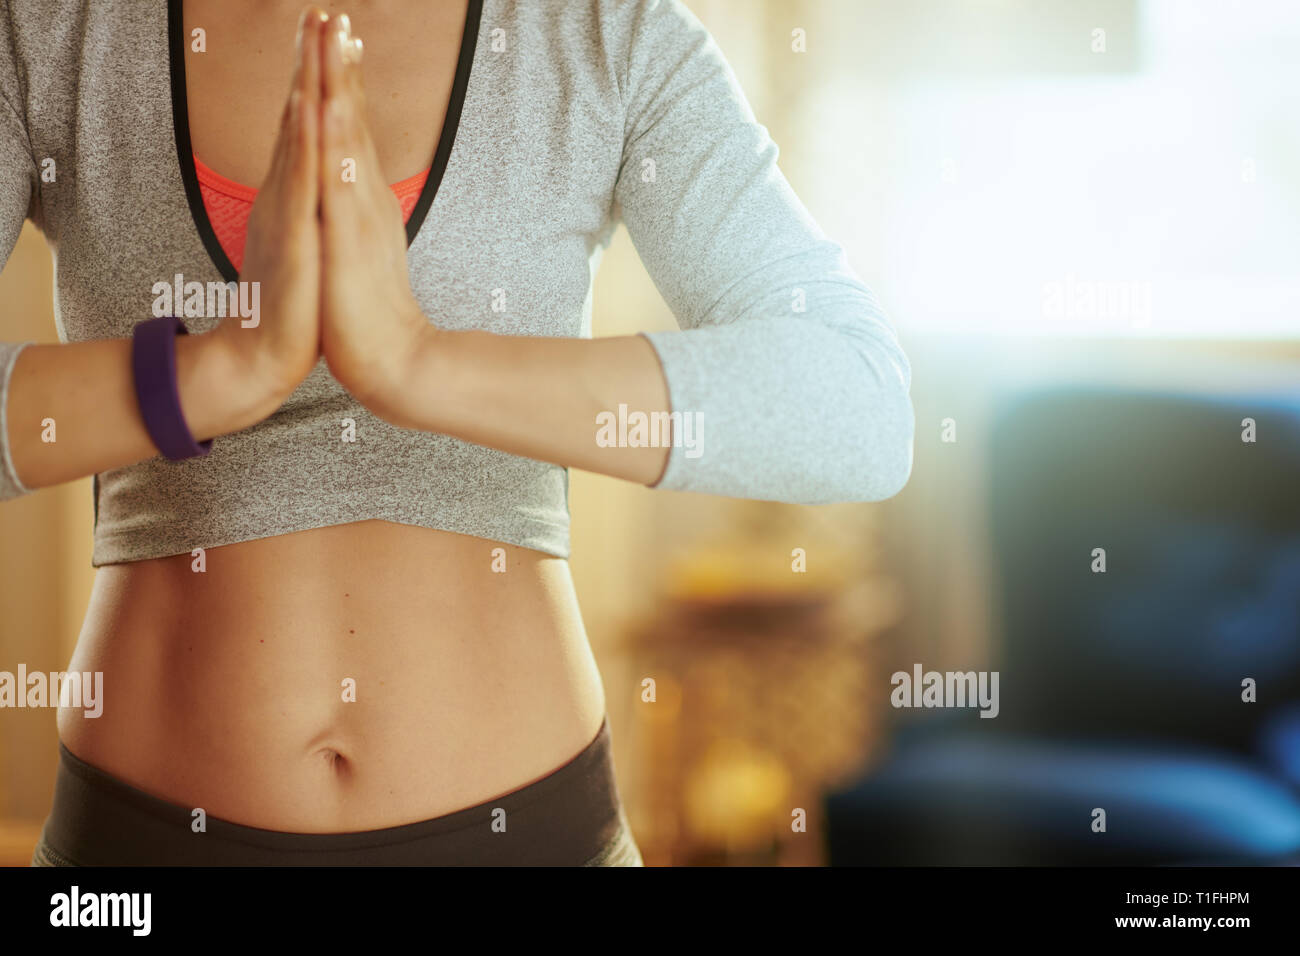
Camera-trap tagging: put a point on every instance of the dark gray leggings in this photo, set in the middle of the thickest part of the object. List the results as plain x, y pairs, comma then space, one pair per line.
571, 817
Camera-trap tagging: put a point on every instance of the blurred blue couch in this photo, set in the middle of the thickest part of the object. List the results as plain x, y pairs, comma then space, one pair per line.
1119, 690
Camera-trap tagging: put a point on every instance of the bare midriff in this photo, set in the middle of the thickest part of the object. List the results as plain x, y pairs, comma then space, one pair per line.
346, 678
351, 677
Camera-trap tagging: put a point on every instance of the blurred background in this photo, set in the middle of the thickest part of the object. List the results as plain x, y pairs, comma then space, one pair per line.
1083, 217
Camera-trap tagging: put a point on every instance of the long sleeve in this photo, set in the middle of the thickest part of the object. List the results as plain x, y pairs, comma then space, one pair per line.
797, 381
17, 186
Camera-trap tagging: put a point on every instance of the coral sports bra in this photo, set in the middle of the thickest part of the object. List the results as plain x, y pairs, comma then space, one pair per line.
229, 204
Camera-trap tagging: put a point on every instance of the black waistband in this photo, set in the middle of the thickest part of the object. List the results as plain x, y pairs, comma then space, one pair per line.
565, 818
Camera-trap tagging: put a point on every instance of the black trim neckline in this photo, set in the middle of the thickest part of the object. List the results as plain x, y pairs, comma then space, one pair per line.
185, 149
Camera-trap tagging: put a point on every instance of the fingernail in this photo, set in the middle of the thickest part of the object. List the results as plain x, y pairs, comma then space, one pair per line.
345, 26
334, 112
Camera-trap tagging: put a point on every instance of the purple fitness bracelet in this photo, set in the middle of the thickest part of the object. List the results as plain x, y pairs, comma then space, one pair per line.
153, 361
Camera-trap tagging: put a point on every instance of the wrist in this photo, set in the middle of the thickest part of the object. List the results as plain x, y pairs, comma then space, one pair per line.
405, 392
221, 391
254, 365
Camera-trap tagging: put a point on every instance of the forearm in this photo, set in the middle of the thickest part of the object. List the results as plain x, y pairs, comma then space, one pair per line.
87, 389
535, 397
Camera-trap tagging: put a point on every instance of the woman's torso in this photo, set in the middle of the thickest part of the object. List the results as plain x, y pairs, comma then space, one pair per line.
350, 677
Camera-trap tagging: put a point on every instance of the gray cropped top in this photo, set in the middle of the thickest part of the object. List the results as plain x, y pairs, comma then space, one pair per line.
565, 119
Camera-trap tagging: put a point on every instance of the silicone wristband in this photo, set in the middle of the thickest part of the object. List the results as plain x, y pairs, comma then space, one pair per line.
153, 362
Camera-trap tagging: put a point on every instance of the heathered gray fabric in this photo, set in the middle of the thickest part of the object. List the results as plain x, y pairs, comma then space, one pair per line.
594, 112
